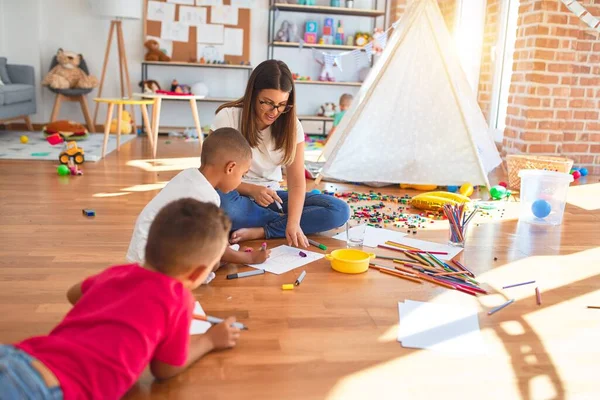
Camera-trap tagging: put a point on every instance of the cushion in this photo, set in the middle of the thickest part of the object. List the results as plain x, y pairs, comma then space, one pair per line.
70, 92
4, 72
17, 93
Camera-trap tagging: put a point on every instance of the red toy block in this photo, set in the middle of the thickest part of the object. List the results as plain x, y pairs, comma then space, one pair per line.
55, 139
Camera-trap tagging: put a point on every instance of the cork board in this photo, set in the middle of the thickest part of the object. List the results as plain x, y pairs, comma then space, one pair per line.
187, 51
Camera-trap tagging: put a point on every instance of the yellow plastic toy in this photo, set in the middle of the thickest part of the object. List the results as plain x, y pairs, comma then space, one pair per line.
24, 139
418, 187
72, 151
434, 201
350, 261
466, 189
126, 126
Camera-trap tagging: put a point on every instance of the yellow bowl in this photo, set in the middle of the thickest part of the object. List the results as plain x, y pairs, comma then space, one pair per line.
350, 261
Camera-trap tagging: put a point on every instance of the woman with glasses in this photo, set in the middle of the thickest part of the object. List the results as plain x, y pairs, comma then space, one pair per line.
267, 119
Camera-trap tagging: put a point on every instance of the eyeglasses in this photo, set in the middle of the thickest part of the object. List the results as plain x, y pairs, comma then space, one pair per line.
268, 106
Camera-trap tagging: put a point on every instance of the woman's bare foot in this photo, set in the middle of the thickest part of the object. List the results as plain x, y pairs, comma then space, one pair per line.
244, 234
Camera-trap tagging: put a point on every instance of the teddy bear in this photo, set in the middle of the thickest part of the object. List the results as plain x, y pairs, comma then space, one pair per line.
67, 74
154, 53
327, 110
149, 86
126, 127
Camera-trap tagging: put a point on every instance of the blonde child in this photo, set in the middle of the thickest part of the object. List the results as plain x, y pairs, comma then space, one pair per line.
128, 317
225, 159
345, 103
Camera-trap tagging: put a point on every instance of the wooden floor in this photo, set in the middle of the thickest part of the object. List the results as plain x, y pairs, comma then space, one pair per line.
334, 337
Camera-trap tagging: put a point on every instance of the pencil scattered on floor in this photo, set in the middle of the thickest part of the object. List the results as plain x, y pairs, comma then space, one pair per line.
518, 284
495, 310
538, 296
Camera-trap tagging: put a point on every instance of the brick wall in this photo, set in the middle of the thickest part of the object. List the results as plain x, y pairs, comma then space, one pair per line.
490, 39
554, 96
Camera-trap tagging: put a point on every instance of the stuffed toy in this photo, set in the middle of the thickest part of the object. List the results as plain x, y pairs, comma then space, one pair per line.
66, 129
154, 53
67, 74
149, 86
126, 127
180, 89
287, 33
327, 110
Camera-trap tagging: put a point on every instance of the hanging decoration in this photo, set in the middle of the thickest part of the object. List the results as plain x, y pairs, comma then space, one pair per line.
583, 14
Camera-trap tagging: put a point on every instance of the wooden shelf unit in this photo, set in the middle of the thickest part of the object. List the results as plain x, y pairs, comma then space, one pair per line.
316, 46
359, 12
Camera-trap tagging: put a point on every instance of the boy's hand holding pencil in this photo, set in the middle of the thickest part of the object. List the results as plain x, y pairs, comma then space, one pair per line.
260, 256
224, 335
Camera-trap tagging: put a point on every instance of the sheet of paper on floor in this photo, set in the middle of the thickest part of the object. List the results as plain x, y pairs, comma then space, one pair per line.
431, 246
199, 327
446, 328
374, 236
286, 258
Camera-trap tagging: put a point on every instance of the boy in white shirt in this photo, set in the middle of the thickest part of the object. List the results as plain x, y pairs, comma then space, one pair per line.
225, 159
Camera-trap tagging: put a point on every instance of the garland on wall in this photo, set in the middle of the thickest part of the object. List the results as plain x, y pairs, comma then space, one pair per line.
582, 13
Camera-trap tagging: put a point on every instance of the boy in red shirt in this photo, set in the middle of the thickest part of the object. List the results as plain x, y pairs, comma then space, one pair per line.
128, 316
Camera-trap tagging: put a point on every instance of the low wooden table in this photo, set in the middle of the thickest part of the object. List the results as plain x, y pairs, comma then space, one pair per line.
158, 98
121, 103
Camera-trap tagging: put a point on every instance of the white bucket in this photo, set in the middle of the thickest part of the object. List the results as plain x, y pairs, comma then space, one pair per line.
543, 196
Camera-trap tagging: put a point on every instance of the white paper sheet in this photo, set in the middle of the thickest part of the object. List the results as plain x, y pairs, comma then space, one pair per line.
210, 33
374, 236
186, 2
241, 3
233, 42
210, 52
159, 11
286, 258
225, 15
198, 327
440, 327
175, 31
209, 2
431, 246
164, 45
192, 16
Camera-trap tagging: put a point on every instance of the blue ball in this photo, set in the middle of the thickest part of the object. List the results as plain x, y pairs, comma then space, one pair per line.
453, 189
583, 171
541, 208
315, 191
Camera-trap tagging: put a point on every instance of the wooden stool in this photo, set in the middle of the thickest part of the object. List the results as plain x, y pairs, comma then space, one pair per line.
121, 103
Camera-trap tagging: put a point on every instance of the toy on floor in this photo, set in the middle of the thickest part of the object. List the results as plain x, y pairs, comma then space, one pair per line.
24, 139
54, 139
452, 189
72, 152
73, 169
418, 187
503, 184
434, 201
498, 192
154, 52
576, 174
88, 213
327, 110
541, 208
466, 189
66, 129
63, 170
149, 86
67, 74
126, 125
583, 171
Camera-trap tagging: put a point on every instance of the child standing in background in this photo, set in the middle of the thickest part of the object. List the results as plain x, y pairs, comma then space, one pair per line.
345, 103
128, 316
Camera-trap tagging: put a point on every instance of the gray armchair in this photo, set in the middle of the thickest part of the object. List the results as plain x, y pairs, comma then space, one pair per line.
17, 92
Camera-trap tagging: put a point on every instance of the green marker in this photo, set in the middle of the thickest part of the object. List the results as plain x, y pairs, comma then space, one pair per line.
317, 244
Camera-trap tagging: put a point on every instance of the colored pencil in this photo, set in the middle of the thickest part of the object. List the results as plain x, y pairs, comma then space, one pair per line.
424, 259
215, 320
435, 281
392, 258
595, 307
317, 244
403, 246
408, 278
518, 284
538, 296
460, 265
450, 273
494, 310
383, 246
467, 291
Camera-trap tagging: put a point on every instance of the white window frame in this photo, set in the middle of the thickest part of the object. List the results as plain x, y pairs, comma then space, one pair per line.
469, 27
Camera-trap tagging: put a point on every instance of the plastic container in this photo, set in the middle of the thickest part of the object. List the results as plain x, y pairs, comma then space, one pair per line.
543, 196
350, 261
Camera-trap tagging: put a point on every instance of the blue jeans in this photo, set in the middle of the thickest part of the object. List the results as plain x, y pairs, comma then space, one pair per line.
19, 380
321, 213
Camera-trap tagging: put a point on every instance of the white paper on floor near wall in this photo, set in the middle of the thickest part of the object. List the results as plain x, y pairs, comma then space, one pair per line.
441, 327
233, 42
225, 15
163, 44
210, 33
175, 31
374, 236
159, 11
197, 327
192, 16
286, 258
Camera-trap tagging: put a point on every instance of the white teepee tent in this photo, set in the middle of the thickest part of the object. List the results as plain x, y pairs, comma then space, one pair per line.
415, 119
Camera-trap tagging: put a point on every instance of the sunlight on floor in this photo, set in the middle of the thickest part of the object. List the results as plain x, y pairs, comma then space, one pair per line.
146, 187
585, 196
166, 164
111, 194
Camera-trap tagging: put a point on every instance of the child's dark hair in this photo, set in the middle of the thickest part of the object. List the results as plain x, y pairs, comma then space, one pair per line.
181, 232
225, 144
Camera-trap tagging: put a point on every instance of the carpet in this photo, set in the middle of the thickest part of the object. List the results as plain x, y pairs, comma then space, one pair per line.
37, 148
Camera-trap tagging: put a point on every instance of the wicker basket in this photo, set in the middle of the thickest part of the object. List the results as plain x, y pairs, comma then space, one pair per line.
517, 162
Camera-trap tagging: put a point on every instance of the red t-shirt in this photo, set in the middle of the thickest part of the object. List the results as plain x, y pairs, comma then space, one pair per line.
126, 317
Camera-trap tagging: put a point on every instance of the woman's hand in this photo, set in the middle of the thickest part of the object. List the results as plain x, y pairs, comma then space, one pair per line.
264, 197
295, 236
